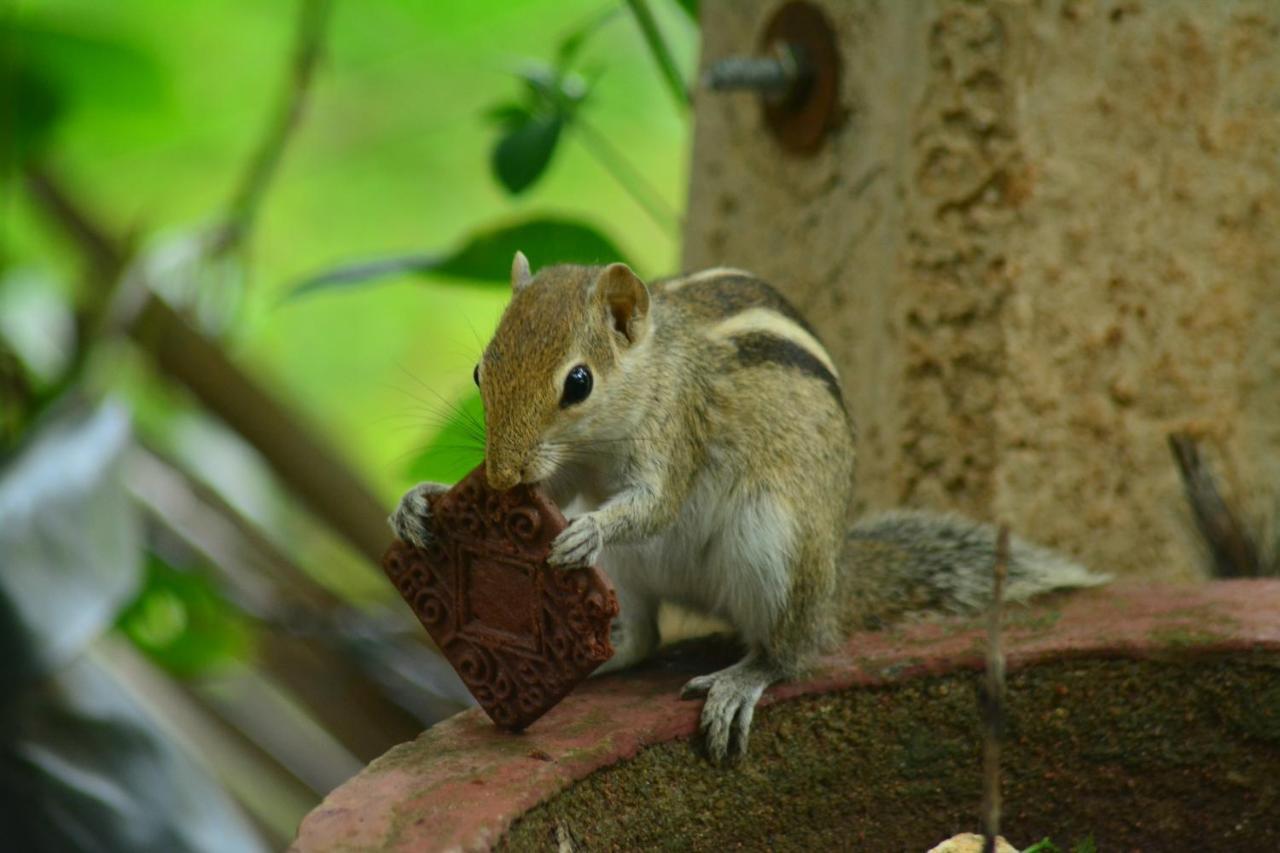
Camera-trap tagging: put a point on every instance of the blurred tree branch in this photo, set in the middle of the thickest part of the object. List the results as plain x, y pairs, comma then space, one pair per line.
105, 255
306, 463
272, 795
327, 654
16, 396
300, 458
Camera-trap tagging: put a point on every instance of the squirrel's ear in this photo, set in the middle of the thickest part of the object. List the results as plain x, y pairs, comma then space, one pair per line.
626, 299
520, 274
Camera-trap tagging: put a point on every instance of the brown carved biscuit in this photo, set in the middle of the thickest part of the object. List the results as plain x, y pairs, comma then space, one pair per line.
520, 633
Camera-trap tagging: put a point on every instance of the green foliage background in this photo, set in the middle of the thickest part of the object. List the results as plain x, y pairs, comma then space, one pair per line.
436, 138
393, 155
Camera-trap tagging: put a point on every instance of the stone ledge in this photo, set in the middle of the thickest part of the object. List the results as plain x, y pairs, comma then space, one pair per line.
461, 783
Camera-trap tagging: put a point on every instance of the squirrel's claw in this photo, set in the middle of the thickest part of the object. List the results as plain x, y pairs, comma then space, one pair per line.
411, 521
696, 688
578, 545
732, 695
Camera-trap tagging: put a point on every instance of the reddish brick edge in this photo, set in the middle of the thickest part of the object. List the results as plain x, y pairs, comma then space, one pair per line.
460, 784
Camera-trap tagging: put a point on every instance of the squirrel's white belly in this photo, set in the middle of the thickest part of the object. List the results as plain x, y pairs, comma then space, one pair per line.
728, 554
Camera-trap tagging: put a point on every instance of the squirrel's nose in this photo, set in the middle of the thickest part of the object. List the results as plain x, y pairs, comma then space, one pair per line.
501, 478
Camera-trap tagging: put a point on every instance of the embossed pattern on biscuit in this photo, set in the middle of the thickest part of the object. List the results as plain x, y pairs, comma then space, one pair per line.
519, 633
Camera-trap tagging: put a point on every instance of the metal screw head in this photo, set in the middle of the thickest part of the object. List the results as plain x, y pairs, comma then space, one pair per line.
773, 76
798, 76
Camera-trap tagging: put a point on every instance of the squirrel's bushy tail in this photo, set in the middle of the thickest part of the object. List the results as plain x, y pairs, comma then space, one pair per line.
905, 562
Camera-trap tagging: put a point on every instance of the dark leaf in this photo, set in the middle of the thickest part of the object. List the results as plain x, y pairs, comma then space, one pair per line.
532, 129
83, 768
508, 115
524, 151
456, 448
31, 104
69, 540
485, 257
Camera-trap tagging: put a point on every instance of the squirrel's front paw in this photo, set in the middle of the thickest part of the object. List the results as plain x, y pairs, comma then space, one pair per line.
578, 545
412, 519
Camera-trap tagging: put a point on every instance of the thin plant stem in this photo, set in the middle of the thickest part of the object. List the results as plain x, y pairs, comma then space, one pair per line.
640, 190
661, 53
993, 700
313, 19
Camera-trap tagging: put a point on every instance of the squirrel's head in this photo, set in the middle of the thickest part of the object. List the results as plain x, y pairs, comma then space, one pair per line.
551, 377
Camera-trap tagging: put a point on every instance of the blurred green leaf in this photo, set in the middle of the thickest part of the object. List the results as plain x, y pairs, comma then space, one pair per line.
523, 153
82, 767
31, 104
507, 113
36, 322
569, 47
690, 8
183, 623
208, 286
105, 69
1044, 845
456, 448
550, 89
485, 257
45, 69
69, 540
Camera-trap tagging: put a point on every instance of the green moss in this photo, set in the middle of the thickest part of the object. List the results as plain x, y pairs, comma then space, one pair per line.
1149, 755
1182, 637
1031, 620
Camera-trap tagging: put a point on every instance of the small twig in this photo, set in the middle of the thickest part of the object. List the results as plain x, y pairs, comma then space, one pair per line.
313, 19
17, 398
628, 177
992, 701
105, 255
1234, 552
661, 53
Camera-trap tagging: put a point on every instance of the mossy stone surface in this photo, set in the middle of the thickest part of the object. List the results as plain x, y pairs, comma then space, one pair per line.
1151, 755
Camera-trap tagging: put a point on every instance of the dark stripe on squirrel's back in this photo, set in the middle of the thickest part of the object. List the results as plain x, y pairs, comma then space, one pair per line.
732, 293
757, 348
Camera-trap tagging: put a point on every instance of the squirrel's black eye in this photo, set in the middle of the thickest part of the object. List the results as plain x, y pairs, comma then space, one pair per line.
475, 374
577, 385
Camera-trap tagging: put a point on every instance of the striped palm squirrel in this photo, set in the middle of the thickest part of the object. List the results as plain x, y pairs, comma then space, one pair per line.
695, 432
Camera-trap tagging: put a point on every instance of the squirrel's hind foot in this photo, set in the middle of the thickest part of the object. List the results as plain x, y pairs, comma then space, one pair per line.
732, 694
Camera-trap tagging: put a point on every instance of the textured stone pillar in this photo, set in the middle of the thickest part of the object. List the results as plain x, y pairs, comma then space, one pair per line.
1044, 235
